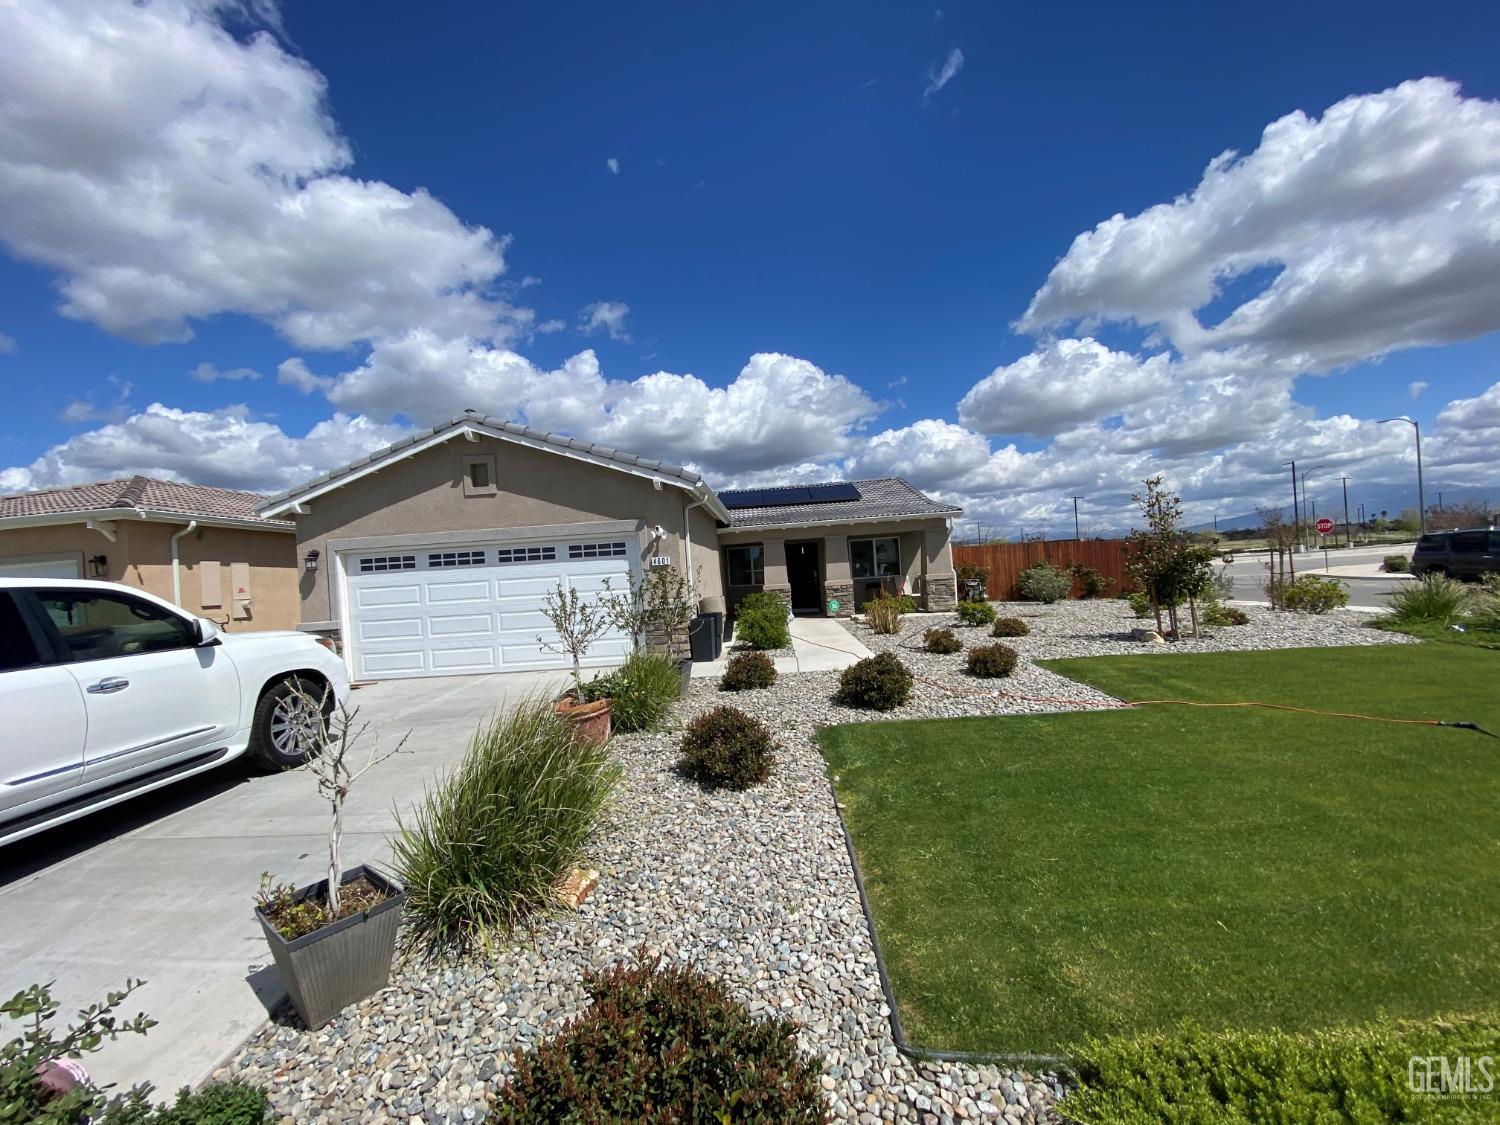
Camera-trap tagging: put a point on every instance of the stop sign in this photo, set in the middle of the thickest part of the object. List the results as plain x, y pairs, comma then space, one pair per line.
1324, 525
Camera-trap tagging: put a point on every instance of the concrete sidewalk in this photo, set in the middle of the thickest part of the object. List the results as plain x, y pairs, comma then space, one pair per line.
162, 888
819, 644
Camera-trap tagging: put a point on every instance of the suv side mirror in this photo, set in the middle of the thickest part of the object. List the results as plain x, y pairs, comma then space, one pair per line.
208, 632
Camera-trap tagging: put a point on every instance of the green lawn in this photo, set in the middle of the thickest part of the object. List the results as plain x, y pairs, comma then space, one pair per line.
1037, 880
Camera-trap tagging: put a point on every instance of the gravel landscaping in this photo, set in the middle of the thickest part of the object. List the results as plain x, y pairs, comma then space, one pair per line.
755, 888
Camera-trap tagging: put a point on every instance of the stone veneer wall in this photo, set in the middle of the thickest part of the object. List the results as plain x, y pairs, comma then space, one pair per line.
844, 592
941, 593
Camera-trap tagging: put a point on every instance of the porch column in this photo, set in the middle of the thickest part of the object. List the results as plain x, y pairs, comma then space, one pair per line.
938, 583
775, 563
838, 585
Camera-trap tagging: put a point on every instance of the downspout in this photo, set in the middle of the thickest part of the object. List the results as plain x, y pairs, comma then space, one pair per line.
687, 545
176, 572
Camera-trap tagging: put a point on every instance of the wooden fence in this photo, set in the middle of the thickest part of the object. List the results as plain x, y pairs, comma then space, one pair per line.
1007, 560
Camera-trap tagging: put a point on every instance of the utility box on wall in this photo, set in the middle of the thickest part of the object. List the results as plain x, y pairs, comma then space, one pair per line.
239, 585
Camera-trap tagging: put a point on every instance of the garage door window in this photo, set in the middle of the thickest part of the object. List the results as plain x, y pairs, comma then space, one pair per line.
456, 558
596, 550
526, 554
380, 563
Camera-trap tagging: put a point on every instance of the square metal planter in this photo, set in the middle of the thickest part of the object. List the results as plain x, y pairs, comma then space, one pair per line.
343, 962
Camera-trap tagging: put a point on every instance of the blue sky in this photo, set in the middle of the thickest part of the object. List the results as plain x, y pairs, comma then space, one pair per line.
787, 183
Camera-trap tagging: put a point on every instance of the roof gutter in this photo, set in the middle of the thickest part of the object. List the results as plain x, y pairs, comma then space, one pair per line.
749, 528
94, 516
176, 569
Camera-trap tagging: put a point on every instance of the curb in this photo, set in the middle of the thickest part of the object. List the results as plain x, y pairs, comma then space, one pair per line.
898, 1033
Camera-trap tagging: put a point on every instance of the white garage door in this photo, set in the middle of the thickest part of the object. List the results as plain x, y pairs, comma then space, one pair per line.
461, 610
39, 568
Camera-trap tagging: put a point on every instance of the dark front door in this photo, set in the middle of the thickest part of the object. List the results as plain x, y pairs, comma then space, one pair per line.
804, 574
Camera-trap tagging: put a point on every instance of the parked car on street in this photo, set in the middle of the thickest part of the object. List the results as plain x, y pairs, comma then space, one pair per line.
107, 692
1470, 553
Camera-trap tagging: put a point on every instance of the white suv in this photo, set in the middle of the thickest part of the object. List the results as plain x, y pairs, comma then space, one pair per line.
107, 692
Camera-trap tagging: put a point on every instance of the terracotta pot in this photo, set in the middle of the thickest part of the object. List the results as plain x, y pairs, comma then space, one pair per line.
590, 721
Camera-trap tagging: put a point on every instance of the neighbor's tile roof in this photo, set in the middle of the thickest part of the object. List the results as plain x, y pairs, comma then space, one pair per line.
160, 496
495, 423
889, 497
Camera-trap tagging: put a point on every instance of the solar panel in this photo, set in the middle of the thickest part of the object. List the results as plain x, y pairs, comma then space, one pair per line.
789, 495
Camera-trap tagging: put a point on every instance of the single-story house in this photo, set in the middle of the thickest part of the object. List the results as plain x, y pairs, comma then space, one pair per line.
202, 548
433, 556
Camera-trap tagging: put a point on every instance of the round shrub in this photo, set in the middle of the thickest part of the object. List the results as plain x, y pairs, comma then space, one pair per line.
1043, 582
1236, 616
991, 661
747, 671
663, 1044
726, 749
941, 641
1311, 594
877, 683
760, 622
975, 613
1395, 564
1009, 627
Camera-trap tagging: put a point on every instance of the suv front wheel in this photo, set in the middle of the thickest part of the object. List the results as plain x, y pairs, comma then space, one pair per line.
289, 723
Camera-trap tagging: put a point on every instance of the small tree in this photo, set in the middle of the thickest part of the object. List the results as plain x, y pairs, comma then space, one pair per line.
331, 741
659, 603
1164, 561
1281, 564
578, 625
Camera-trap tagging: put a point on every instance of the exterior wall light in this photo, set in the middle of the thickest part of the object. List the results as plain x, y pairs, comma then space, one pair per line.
310, 562
97, 566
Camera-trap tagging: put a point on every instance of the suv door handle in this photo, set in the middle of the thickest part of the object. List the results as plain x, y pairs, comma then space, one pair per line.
108, 686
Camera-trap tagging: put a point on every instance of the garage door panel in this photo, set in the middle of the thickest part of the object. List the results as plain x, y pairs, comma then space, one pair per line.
530, 588
443, 618
374, 597
442, 592
479, 659
400, 628
382, 663
462, 625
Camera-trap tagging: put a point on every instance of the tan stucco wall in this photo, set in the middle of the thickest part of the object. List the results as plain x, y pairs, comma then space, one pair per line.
424, 493
141, 556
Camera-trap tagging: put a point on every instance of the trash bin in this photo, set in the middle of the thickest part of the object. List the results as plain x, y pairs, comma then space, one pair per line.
701, 638
718, 620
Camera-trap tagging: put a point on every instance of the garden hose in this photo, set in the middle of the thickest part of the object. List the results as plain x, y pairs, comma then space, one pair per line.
1118, 704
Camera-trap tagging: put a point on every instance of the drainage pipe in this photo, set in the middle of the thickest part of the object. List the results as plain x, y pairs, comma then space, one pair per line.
176, 570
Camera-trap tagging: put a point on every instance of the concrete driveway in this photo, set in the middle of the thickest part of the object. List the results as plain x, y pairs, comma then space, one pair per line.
162, 888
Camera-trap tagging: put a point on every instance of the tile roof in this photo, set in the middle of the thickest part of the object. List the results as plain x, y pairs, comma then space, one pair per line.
493, 422
889, 497
165, 497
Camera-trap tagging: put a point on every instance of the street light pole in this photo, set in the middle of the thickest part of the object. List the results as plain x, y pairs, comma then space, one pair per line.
1347, 541
1421, 492
1075, 500
1296, 512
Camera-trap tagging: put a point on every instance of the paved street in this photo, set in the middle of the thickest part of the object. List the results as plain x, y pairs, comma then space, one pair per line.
1373, 592
162, 888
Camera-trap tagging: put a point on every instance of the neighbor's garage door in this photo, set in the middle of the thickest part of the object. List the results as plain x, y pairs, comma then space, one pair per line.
39, 568
444, 611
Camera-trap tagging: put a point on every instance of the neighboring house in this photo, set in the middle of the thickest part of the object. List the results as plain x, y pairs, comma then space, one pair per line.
433, 556
204, 549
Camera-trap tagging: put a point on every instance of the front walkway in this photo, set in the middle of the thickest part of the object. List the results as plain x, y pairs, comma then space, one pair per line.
819, 644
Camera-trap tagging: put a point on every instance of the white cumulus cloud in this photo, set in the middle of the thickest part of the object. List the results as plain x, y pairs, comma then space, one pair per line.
604, 316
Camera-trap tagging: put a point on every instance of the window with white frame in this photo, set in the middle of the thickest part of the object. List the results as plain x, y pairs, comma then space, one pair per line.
376, 564
596, 550
875, 558
439, 559
525, 554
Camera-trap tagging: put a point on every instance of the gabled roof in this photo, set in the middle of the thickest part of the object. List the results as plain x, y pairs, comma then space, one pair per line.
472, 421
136, 497
886, 498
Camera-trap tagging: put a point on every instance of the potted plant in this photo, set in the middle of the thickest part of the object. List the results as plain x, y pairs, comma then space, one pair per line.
333, 941
578, 624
